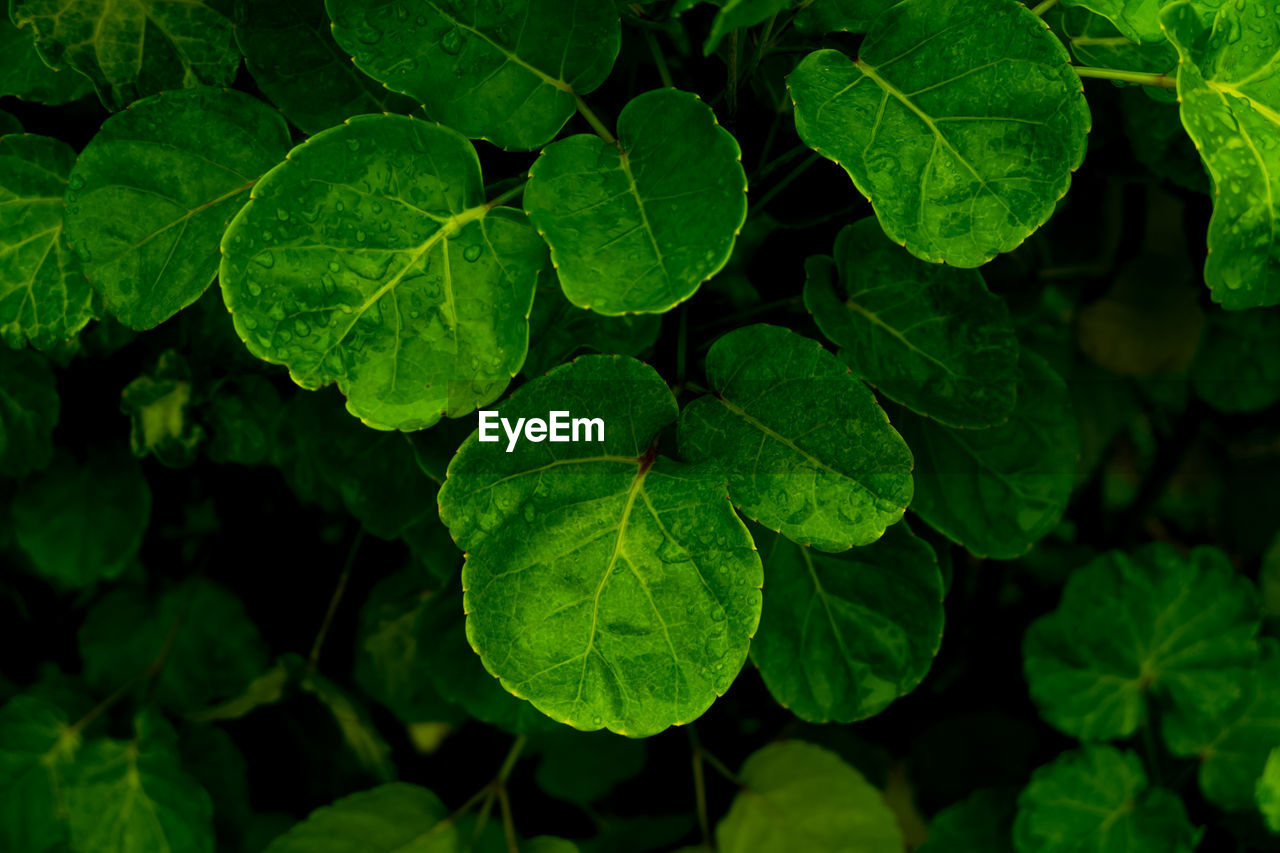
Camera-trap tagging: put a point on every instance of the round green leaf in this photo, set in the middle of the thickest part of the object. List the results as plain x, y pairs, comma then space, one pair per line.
998, 491
1231, 109
963, 152
842, 636
44, 297
611, 587
1130, 626
181, 163
930, 337
388, 819
36, 744
135, 48
369, 258
983, 823
806, 448
289, 49
28, 412
1268, 791
1096, 800
25, 75
638, 226
1237, 365
797, 796
558, 329
507, 72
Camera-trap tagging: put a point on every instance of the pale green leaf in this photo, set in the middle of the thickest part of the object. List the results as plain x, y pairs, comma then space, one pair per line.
930, 337
1131, 627
1268, 791
158, 404
181, 163
507, 72
29, 409
370, 259
608, 585
36, 745
133, 48
1237, 365
998, 491
805, 446
797, 796
395, 818
45, 298
963, 152
25, 75
637, 227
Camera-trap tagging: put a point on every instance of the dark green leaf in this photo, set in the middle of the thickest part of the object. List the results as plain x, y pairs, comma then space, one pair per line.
831, 16
28, 412
389, 819
583, 767
981, 824
558, 329
26, 75
36, 746
158, 405
740, 14
1237, 366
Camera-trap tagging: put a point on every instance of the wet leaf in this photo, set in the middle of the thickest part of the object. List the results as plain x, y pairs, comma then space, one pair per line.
27, 76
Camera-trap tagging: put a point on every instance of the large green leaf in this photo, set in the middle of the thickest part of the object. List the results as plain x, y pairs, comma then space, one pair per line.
997, 491
134, 797
608, 585
1230, 101
1095, 41
26, 75
980, 824
1233, 745
638, 226
805, 446
1237, 365
394, 818
133, 48
36, 745
289, 49
370, 259
842, 636
963, 152
181, 164
930, 337
1096, 800
1132, 626
1268, 791
44, 297
29, 408
797, 796
1137, 20
507, 72
558, 329
81, 522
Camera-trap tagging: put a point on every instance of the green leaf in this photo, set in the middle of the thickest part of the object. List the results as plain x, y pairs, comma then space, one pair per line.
213, 649
637, 227
608, 585
44, 297
805, 446
797, 796
983, 823
740, 14
1231, 108
9, 124
1096, 800
963, 152
181, 164
243, 421
1159, 142
28, 412
1095, 41
998, 491
507, 72
352, 720
134, 797
388, 819
558, 329
350, 262
25, 75
133, 49
289, 49
930, 337
158, 405
1268, 791
79, 523
1237, 365
36, 745
583, 767
1137, 20
1233, 745
842, 636
1131, 626
832, 16
547, 844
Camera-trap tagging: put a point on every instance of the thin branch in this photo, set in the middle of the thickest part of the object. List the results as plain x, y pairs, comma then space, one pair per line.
1044, 8
658, 59
334, 601
1163, 80
594, 121
785, 182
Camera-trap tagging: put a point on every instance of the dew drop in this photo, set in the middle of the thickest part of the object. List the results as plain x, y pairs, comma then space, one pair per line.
472, 253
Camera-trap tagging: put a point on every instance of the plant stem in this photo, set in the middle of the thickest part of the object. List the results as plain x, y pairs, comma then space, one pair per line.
1044, 7
507, 196
658, 59
682, 345
594, 121
700, 789
1145, 79
1101, 41
334, 601
509, 763
786, 180
508, 823
151, 672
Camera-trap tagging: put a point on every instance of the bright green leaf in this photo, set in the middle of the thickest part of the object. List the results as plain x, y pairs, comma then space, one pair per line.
1131, 626
1230, 101
1237, 365
806, 448
608, 585
44, 297
28, 412
930, 337
963, 152
983, 823
1268, 791
842, 636
25, 75
1095, 41
158, 405
797, 796
181, 164
998, 491
370, 259
393, 818
507, 72
1096, 800
638, 226
558, 329
133, 48
36, 746
1134, 19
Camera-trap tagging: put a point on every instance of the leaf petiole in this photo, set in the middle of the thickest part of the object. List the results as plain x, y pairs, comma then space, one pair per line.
594, 121
1042, 9
1144, 78
506, 196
